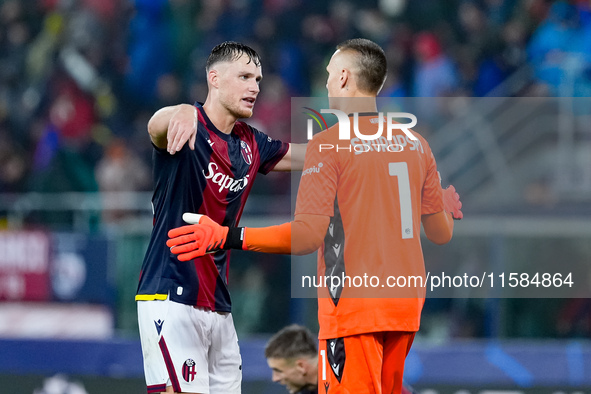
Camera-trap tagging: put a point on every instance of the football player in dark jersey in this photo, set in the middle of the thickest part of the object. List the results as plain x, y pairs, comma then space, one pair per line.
205, 161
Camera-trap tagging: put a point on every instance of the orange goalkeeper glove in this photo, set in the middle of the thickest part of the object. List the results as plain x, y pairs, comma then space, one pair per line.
452, 203
202, 236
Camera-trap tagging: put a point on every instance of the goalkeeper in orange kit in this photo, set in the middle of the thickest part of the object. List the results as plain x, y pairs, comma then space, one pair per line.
363, 213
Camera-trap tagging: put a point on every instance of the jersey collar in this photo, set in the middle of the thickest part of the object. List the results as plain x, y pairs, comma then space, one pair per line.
209, 124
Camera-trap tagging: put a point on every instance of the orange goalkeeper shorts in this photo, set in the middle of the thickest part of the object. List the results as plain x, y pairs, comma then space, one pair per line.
363, 364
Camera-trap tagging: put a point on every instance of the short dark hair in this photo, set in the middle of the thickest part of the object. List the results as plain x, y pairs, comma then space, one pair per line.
292, 342
229, 51
371, 62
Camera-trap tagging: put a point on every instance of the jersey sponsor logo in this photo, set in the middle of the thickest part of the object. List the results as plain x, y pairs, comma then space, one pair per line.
246, 152
313, 169
189, 370
326, 386
224, 181
159, 324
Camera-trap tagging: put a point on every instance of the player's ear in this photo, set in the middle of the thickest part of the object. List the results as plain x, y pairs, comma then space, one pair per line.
213, 78
301, 365
344, 78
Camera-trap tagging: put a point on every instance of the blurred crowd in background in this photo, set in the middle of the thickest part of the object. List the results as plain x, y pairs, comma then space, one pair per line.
80, 78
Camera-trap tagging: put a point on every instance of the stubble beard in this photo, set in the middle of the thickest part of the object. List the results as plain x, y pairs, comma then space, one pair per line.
236, 111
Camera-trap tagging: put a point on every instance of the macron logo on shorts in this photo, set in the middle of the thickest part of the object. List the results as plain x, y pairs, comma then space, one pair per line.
159, 324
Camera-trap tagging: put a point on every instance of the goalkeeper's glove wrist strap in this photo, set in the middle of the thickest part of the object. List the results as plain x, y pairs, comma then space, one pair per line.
235, 238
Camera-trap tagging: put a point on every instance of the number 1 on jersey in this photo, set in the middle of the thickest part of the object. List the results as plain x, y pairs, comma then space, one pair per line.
400, 170
323, 354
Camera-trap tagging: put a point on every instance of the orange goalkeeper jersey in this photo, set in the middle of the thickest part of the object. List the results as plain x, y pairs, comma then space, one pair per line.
375, 193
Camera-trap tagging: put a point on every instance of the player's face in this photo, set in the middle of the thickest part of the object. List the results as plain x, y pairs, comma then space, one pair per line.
239, 86
287, 373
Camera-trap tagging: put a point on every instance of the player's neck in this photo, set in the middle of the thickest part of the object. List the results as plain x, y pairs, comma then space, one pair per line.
352, 104
312, 373
219, 116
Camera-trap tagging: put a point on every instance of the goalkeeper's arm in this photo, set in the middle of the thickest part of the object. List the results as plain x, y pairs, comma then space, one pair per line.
439, 227
302, 236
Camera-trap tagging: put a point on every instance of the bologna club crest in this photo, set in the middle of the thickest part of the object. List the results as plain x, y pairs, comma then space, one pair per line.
246, 152
189, 370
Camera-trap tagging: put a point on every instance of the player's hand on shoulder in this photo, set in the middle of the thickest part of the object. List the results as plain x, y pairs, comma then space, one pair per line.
200, 237
182, 128
452, 203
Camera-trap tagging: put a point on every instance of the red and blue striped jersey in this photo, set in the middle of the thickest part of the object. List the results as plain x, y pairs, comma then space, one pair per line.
214, 180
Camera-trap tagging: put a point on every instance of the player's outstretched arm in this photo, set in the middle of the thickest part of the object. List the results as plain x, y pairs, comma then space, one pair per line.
171, 127
293, 159
302, 236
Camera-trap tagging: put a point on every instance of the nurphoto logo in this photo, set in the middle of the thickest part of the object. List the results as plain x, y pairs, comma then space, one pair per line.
361, 143
345, 124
